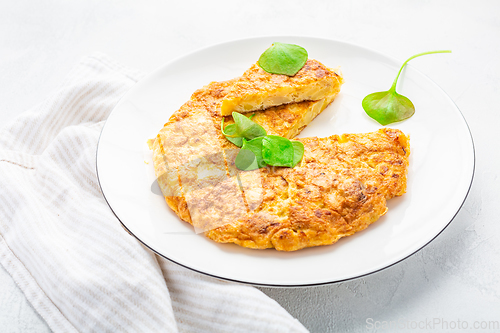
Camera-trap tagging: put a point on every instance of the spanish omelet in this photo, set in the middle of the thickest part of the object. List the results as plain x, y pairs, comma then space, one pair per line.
340, 186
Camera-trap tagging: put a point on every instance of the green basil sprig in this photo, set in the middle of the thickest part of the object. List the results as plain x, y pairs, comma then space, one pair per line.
259, 149
388, 107
277, 151
282, 58
243, 127
298, 152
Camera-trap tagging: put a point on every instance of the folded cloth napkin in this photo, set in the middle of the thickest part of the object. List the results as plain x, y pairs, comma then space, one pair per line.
78, 267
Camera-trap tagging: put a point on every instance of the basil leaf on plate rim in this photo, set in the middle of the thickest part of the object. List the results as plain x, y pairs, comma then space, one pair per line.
388, 107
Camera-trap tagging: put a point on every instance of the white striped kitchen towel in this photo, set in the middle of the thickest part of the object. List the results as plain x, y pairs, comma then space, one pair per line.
78, 267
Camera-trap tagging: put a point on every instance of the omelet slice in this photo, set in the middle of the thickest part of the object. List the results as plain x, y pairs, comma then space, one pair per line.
257, 89
336, 191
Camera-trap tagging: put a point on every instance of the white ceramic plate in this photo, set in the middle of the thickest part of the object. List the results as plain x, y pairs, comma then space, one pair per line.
440, 173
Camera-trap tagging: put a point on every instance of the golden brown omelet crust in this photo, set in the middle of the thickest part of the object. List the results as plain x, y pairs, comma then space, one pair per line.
340, 186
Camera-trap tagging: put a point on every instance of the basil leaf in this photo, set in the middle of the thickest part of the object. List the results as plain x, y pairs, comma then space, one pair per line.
246, 161
258, 148
243, 127
283, 58
298, 152
247, 128
231, 130
255, 146
250, 155
388, 107
277, 151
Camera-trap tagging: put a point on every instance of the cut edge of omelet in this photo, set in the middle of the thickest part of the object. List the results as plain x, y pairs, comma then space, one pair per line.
298, 116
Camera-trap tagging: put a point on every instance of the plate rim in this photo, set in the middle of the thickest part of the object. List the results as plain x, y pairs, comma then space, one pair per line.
304, 285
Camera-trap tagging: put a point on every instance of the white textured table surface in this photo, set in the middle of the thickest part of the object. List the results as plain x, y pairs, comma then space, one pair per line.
453, 281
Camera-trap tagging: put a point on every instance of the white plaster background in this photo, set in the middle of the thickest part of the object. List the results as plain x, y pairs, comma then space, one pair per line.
456, 277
